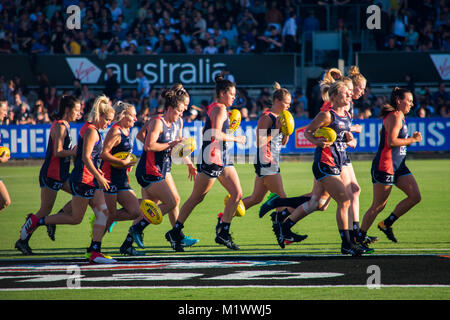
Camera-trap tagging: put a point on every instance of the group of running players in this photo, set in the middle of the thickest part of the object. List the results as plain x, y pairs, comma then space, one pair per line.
100, 180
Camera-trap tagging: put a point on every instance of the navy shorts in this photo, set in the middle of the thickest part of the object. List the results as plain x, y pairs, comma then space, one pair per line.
347, 161
211, 170
322, 170
116, 187
387, 178
82, 190
262, 171
46, 182
147, 180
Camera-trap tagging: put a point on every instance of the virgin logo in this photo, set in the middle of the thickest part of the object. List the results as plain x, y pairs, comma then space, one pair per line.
442, 66
84, 70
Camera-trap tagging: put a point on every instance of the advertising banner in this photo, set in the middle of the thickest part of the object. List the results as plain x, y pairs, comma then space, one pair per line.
160, 70
392, 67
30, 141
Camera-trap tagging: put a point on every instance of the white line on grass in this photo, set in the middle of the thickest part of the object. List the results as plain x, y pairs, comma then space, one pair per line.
235, 287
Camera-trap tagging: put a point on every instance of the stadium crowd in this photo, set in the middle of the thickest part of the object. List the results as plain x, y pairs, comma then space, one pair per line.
204, 27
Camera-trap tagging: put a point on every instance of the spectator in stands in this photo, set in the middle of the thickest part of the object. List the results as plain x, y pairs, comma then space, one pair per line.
441, 93
364, 113
272, 41
299, 110
274, 17
143, 87
19, 101
412, 37
22, 115
111, 84
224, 47
211, 48
246, 20
199, 25
226, 74
191, 115
52, 101
40, 115
230, 33
444, 110
289, 33
422, 112
244, 48
6, 43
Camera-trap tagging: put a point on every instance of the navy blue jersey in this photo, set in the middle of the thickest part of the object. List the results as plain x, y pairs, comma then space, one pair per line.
80, 173
270, 154
157, 163
335, 155
213, 151
54, 167
389, 159
113, 174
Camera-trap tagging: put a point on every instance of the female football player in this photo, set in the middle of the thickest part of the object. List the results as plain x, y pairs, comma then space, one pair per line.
269, 140
54, 172
5, 199
116, 170
86, 181
215, 163
389, 167
180, 97
151, 173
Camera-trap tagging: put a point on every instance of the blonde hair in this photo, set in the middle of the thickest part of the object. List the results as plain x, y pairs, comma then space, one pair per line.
334, 88
356, 76
100, 107
120, 109
279, 93
331, 76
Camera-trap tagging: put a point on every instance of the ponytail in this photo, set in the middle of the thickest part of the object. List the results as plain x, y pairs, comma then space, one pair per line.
101, 106
66, 102
329, 77
120, 108
397, 93
279, 93
222, 85
356, 76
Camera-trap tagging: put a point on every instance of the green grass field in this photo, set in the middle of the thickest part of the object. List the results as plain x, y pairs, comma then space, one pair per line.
425, 229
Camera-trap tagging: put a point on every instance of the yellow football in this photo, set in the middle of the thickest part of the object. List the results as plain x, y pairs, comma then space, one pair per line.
287, 123
240, 210
4, 151
327, 133
151, 211
122, 155
184, 148
235, 119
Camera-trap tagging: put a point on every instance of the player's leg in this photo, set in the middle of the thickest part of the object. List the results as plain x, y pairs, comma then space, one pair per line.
230, 181
259, 191
202, 184
409, 186
5, 199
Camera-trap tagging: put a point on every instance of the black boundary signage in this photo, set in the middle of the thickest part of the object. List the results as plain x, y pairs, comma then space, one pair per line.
160, 70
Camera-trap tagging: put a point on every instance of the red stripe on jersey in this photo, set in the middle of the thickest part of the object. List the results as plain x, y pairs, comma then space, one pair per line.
150, 165
385, 163
106, 169
210, 108
87, 176
326, 157
54, 166
326, 106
